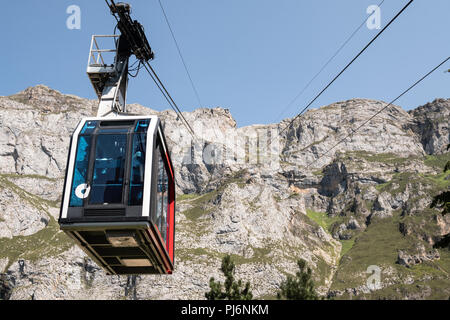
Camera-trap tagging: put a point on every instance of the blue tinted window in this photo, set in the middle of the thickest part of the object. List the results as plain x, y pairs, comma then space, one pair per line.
78, 192
142, 125
162, 189
137, 169
89, 127
109, 166
115, 130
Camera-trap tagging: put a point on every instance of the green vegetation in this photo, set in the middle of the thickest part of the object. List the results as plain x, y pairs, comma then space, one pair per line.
377, 245
442, 201
195, 213
318, 172
300, 287
433, 161
199, 205
49, 241
322, 271
440, 181
261, 255
33, 200
388, 158
188, 196
437, 161
232, 290
30, 176
321, 218
380, 243
328, 224
432, 275
200, 202
44, 243
346, 246
399, 182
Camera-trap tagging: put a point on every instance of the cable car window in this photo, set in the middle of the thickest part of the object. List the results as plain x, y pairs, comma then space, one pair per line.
79, 185
159, 191
142, 126
115, 130
137, 169
161, 197
165, 204
89, 127
109, 167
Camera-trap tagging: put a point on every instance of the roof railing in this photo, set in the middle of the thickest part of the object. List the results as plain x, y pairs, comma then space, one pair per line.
96, 53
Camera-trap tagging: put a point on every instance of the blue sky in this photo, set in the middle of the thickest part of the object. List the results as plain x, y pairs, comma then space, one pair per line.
250, 56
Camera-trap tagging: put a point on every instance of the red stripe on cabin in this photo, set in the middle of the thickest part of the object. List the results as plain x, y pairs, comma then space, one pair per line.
170, 167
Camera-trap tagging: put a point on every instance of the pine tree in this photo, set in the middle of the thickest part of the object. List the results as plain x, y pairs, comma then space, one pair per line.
300, 287
233, 289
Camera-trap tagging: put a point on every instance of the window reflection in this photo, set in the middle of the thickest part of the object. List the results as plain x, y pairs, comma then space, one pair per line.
109, 165
161, 196
137, 169
81, 167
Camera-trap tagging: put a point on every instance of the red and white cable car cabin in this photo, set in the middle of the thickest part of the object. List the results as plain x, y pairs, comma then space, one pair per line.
119, 194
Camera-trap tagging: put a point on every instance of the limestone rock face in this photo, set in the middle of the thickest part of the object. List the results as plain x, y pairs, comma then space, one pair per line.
431, 123
267, 200
318, 131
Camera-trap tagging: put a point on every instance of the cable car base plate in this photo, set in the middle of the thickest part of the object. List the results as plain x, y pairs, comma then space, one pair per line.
122, 248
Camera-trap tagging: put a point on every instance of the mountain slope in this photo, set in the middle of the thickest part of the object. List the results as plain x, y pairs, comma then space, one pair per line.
365, 203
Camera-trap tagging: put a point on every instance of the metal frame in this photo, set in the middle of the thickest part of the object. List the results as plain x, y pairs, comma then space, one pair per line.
94, 65
110, 82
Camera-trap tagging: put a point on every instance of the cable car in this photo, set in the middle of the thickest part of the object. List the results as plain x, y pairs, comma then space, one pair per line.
119, 194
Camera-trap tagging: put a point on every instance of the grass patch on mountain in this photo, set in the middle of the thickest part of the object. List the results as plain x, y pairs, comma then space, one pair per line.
30, 176
441, 181
434, 289
328, 224
35, 201
47, 242
187, 196
318, 173
388, 158
421, 224
201, 203
195, 213
416, 182
377, 245
322, 271
260, 255
431, 281
321, 218
196, 254
199, 206
346, 246
437, 161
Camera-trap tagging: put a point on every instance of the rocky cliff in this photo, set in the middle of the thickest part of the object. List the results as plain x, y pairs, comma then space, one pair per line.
364, 205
